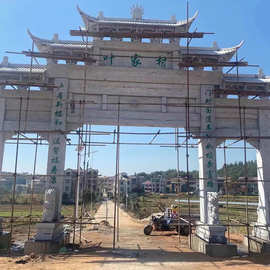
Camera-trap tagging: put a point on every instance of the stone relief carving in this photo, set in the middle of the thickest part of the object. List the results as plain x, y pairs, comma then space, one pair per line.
50, 205
212, 208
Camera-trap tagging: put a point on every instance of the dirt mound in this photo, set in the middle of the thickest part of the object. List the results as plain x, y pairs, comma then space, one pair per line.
105, 223
30, 258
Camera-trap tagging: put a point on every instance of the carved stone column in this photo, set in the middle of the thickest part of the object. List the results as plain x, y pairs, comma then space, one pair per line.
50, 229
263, 174
2, 149
56, 167
210, 230
2, 134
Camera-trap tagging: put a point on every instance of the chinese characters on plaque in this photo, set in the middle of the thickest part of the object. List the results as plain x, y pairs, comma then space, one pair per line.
56, 140
136, 60
210, 148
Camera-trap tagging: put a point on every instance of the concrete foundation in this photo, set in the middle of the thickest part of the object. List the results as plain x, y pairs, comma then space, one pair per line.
42, 247
49, 231
211, 234
4, 240
257, 245
45, 247
213, 250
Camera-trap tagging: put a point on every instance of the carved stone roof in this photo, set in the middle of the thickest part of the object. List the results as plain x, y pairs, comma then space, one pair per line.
22, 68
225, 53
46, 45
137, 22
246, 78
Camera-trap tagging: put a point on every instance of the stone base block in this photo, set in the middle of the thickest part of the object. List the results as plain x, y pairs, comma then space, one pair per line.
42, 247
257, 245
260, 231
37, 246
4, 240
49, 232
213, 250
211, 234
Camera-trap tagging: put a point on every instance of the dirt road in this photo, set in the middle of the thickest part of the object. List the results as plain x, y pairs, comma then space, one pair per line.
134, 251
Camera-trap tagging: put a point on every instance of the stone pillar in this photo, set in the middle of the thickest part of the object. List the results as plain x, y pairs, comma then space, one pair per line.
56, 167
2, 134
210, 230
2, 149
50, 229
263, 174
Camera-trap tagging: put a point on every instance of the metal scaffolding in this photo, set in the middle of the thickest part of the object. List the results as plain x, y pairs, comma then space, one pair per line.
86, 142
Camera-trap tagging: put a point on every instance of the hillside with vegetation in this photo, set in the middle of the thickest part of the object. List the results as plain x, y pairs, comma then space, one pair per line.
233, 171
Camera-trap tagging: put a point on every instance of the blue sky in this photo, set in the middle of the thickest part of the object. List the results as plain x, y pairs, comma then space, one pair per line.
231, 20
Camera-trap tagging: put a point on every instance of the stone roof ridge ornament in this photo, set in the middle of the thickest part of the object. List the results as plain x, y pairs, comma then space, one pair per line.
55, 38
261, 74
137, 12
101, 15
5, 61
173, 19
215, 46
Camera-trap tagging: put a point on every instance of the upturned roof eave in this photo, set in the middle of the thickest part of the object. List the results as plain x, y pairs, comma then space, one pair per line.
42, 43
245, 78
211, 50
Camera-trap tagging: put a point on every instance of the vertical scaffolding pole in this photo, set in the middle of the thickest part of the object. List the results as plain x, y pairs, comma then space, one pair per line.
246, 178
118, 174
188, 130
178, 179
81, 140
15, 175
78, 174
28, 89
77, 186
116, 186
83, 184
32, 189
227, 189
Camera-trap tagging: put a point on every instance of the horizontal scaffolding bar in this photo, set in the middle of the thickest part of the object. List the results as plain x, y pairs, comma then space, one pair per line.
27, 83
137, 35
242, 92
186, 63
85, 58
